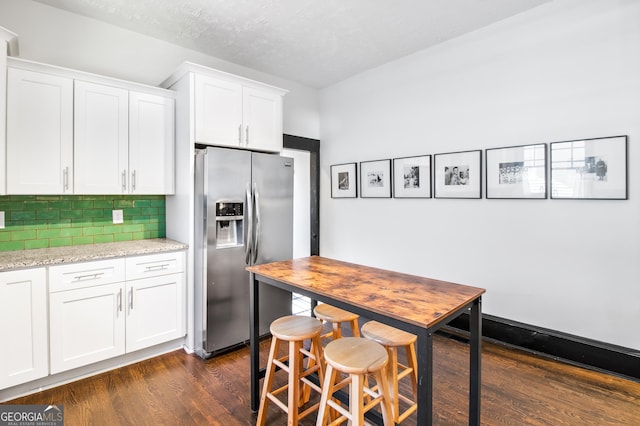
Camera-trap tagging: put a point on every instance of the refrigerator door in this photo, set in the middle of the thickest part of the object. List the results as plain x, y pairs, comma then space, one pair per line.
228, 175
272, 181
272, 185
244, 214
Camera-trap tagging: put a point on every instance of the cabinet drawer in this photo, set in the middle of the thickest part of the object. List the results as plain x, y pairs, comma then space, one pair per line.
154, 265
86, 274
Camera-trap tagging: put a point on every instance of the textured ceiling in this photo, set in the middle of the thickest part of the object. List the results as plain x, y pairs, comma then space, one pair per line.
313, 42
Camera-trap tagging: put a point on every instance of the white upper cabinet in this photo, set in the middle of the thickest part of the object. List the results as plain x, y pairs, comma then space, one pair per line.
151, 144
3, 115
218, 112
39, 133
262, 119
70, 132
101, 139
233, 111
8, 44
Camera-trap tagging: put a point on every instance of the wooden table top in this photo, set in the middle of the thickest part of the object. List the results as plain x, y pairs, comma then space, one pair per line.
421, 301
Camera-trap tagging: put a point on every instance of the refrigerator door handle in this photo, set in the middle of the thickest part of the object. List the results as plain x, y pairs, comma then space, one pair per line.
256, 236
249, 220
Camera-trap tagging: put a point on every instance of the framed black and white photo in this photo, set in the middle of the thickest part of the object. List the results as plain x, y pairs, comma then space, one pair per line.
589, 169
412, 177
375, 179
517, 172
457, 174
344, 181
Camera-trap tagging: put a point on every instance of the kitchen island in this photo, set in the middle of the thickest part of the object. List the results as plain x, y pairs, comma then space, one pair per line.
415, 304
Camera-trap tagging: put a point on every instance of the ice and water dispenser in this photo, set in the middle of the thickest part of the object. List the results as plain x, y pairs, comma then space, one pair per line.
229, 224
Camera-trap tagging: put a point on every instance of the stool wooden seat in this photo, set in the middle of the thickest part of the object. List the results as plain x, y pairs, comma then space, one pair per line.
358, 358
392, 339
336, 317
294, 330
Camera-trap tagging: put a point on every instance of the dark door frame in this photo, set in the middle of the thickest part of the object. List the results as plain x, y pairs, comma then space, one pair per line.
313, 146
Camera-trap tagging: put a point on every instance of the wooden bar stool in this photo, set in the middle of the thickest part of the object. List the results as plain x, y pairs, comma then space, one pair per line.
294, 330
392, 339
336, 317
358, 358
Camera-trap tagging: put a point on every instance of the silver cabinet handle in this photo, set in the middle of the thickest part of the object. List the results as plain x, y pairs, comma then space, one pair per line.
124, 181
156, 267
133, 181
120, 300
246, 136
65, 178
131, 299
90, 276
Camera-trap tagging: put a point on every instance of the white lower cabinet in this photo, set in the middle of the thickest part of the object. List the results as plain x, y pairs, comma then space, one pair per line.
23, 326
87, 325
155, 314
92, 319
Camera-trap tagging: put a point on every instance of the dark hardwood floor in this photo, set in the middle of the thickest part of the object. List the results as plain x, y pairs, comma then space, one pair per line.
181, 389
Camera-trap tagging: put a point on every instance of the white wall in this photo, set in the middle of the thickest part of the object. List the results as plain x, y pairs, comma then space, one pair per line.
569, 69
57, 37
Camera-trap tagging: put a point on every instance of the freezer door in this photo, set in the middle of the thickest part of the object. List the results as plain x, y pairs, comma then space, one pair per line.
228, 175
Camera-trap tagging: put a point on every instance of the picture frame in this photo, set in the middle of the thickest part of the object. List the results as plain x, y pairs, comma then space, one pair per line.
375, 179
344, 180
516, 172
458, 174
412, 177
589, 169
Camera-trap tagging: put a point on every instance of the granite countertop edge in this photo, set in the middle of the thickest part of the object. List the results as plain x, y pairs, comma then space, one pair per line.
34, 258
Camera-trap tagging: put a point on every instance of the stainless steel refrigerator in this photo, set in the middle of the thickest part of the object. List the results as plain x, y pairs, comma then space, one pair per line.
243, 216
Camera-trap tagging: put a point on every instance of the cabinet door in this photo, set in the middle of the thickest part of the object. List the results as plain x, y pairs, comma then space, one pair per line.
86, 325
23, 326
218, 112
262, 120
39, 133
151, 144
155, 310
3, 115
101, 139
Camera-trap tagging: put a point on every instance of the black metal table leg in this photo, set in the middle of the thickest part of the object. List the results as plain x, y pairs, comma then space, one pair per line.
425, 377
254, 343
475, 354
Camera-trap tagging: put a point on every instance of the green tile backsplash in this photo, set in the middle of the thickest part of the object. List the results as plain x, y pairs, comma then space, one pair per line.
37, 221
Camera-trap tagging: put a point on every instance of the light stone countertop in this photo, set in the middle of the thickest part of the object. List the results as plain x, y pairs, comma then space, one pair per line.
58, 255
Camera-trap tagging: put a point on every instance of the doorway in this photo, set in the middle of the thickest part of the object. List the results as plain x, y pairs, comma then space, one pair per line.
306, 201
